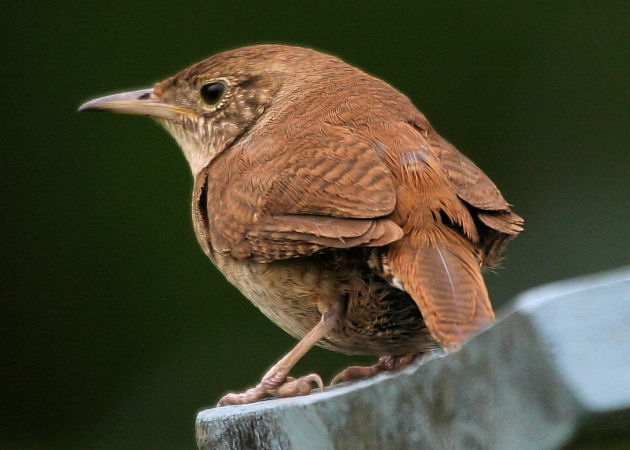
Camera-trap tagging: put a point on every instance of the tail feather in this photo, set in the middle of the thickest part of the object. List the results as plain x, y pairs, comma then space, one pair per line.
443, 277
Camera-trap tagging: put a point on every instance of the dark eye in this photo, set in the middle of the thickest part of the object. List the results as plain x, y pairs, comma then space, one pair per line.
212, 93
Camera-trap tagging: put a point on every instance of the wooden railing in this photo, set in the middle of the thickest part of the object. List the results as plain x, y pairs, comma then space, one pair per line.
554, 371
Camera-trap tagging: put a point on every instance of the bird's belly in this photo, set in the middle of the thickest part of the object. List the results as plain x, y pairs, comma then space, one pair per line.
280, 290
378, 319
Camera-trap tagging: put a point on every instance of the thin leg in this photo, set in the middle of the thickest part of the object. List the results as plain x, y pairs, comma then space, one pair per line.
384, 364
276, 381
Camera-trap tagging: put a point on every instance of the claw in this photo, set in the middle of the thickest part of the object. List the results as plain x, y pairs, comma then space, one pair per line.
302, 386
352, 372
249, 396
385, 363
276, 385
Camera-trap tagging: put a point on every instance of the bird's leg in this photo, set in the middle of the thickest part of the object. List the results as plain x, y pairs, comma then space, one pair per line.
384, 364
276, 381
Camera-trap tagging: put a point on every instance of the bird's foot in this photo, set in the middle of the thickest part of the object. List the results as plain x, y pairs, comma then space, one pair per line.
277, 384
384, 364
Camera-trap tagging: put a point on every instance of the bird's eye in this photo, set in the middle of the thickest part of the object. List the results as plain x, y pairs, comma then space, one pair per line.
212, 93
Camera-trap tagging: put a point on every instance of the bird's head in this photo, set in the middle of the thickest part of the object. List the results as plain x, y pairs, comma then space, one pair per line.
218, 101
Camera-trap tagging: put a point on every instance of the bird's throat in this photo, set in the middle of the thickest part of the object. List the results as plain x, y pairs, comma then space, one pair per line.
198, 150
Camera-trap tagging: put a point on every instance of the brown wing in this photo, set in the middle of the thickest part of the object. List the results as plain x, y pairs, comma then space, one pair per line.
471, 184
278, 202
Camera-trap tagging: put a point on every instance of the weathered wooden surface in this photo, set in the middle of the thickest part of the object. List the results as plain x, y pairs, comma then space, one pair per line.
555, 370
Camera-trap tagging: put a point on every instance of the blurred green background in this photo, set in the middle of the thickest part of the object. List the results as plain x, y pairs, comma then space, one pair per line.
117, 329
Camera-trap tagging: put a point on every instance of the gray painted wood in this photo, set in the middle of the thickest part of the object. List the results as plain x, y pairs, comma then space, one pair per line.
554, 370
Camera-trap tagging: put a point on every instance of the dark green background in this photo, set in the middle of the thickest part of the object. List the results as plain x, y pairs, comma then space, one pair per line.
116, 329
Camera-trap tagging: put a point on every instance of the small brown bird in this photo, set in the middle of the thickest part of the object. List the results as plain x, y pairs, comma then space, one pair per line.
328, 199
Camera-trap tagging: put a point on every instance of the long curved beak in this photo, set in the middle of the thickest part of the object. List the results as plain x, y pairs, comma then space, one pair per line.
141, 102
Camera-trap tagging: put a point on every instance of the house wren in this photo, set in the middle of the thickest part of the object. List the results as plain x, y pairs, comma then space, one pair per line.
329, 200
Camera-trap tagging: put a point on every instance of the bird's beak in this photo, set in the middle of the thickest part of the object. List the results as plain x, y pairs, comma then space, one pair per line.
141, 102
